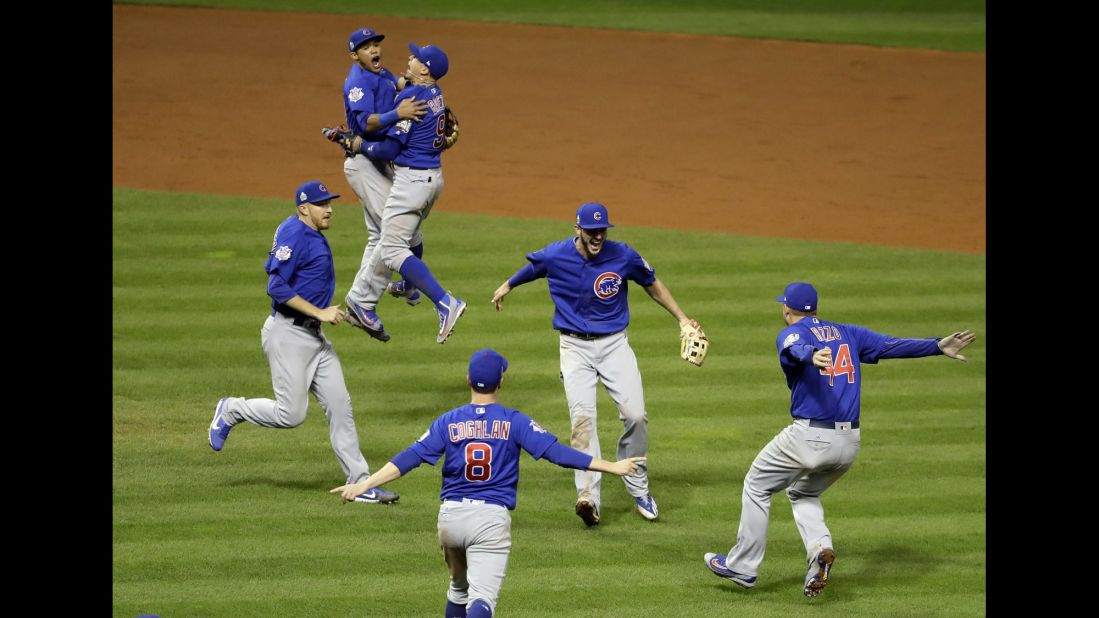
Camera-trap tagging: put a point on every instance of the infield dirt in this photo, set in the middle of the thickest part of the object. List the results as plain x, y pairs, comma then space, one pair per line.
798, 140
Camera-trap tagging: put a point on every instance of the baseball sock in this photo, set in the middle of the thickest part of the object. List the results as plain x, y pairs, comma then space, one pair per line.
418, 250
453, 610
479, 609
417, 272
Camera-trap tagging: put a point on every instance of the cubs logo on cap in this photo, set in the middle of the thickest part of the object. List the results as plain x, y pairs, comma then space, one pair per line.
433, 58
361, 36
313, 191
592, 216
800, 296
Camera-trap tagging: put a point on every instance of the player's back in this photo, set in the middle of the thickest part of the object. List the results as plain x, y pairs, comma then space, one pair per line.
422, 142
825, 393
482, 451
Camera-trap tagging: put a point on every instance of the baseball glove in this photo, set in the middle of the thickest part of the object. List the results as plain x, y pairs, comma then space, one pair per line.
693, 343
343, 136
450, 131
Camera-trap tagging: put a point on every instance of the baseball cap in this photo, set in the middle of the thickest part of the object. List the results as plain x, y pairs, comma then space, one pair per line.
800, 296
313, 191
433, 57
361, 36
592, 216
486, 368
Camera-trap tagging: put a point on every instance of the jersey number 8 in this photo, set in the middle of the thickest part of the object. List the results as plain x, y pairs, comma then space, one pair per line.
478, 461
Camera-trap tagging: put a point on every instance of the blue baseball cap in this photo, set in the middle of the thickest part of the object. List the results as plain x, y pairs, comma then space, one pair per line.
592, 216
800, 296
361, 36
313, 191
486, 368
433, 57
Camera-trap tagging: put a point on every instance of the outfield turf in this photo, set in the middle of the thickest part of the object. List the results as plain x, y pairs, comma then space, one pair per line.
952, 25
251, 531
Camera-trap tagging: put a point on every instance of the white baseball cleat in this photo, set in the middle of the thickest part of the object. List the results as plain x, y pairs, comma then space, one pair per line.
450, 308
819, 567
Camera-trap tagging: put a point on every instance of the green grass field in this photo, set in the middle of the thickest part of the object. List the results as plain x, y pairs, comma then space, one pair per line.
952, 25
251, 531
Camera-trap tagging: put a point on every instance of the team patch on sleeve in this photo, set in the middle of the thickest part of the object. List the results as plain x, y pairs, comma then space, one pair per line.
790, 340
283, 253
536, 427
355, 94
404, 126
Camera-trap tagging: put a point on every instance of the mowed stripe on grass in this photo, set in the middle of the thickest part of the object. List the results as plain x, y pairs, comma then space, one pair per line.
251, 531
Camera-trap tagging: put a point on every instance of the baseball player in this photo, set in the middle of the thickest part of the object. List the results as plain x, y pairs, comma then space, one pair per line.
302, 280
589, 283
415, 150
369, 94
822, 361
481, 441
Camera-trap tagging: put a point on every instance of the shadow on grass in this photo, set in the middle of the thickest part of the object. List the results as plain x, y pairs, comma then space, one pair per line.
304, 485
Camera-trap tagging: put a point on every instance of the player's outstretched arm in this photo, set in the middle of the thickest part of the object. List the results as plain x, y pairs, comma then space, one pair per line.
622, 467
663, 297
952, 344
389, 472
328, 315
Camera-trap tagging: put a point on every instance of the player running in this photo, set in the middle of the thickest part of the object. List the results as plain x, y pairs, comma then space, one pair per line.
481, 442
822, 361
589, 283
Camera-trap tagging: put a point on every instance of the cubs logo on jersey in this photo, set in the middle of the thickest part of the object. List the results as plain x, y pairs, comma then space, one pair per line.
607, 285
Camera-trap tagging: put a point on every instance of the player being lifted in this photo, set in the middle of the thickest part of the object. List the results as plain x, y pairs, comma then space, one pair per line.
481, 442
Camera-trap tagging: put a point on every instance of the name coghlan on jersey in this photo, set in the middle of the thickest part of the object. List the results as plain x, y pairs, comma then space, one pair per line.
479, 430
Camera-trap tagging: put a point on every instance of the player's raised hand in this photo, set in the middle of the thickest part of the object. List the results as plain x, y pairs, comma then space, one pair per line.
411, 109
499, 294
952, 344
823, 358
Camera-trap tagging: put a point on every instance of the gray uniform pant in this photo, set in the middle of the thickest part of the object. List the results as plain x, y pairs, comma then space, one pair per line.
804, 461
476, 539
408, 205
610, 360
301, 361
372, 184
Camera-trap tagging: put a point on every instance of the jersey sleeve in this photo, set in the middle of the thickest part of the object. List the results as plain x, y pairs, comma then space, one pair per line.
533, 438
538, 260
639, 270
402, 129
793, 349
286, 252
361, 95
870, 344
431, 446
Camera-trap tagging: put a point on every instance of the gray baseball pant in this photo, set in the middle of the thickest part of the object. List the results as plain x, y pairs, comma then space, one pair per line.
476, 539
302, 361
408, 205
372, 183
610, 360
804, 461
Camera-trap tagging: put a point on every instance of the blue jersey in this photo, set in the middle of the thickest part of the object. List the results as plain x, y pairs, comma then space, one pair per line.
366, 93
590, 296
834, 394
421, 142
300, 262
482, 443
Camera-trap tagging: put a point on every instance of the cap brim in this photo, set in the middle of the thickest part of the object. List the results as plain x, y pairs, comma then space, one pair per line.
412, 47
596, 227
781, 299
321, 198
